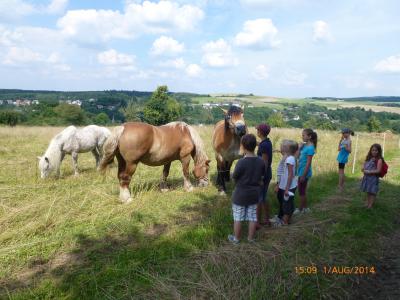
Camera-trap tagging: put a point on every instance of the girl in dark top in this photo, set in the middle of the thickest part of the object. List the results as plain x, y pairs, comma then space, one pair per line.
264, 151
248, 176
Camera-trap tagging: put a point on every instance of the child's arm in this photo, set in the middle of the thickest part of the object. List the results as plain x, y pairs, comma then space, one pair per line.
348, 146
377, 170
237, 173
338, 148
290, 178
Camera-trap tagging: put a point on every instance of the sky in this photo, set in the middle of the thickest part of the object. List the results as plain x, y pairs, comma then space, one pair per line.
283, 48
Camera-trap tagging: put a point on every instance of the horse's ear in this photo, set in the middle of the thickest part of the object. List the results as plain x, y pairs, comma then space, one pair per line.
242, 107
208, 162
225, 111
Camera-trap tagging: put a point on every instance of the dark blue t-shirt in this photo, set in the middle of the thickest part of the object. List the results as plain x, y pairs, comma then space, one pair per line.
266, 147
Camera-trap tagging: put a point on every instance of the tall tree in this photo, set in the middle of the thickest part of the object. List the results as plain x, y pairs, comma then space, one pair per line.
373, 124
161, 108
131, 112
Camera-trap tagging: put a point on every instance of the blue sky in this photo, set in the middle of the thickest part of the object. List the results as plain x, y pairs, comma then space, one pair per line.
287, 48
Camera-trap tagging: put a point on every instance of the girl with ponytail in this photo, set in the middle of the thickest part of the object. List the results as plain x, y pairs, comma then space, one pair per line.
307, 151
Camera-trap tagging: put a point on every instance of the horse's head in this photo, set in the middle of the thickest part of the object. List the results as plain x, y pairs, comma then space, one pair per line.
200, 171
44, 166
234, 120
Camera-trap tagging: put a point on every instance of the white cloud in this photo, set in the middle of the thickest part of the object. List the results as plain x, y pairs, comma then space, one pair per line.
14, 9
194, 70
292, 77
113, 58
390, 64
177, 63
321, 32
261, 72
90, 26
29, 59
268, 3
19, 56
167, 46
258, 34
57, 6
219, 54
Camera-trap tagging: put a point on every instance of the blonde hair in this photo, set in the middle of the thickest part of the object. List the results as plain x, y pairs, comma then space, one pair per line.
289, 146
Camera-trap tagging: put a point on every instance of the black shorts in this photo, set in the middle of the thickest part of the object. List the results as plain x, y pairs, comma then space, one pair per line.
286, 207
341, 165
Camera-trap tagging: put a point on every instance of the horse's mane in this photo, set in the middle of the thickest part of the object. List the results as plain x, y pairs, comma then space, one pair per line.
200, 156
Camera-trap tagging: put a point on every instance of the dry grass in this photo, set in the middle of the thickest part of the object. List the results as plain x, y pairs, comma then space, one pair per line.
46, 220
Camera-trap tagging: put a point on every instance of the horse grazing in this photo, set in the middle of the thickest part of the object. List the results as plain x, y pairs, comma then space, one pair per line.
226, 143
73, 141
136, 142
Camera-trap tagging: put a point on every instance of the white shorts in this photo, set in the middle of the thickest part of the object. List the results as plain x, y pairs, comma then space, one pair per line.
244, 213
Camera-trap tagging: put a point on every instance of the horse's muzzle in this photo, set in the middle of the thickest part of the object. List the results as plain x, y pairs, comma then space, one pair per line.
203, 183
240, 129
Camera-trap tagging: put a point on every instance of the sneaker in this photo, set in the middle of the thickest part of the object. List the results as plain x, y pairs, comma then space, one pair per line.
306, 210
233, 239
296, 211
274, 219
279, 223
252, 241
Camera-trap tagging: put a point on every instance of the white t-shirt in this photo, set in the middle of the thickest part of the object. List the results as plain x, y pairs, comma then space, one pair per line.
290, 160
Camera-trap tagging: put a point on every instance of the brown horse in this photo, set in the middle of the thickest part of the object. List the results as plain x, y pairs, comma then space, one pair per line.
226, 143
134, 142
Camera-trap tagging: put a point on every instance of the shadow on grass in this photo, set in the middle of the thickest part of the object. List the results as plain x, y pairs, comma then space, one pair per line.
133, 264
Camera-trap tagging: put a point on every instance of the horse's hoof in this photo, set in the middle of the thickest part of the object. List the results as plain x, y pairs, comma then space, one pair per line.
127, 201
164, 190
189, 189
222, 193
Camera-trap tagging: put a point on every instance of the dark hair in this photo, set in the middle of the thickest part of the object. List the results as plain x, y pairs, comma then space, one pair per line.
379, 148
313, 136
249, 142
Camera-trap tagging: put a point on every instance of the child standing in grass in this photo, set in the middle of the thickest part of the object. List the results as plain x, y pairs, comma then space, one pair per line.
307, 151
371, 169
248, 176
287, 182
264, 151
344, 149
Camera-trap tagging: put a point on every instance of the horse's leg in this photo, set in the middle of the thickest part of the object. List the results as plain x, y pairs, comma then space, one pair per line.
58, 172
96, 156
75, 162
221, 176
186, 177
227, 174
125, 173
164, 186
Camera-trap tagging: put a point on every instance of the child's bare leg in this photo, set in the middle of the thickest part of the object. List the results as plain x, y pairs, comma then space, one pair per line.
371, 199
341, 179
286, 219
266, 212
252, 230
303, 202
237, 229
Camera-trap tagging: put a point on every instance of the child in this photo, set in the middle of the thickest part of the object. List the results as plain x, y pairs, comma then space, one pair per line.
279, 173
371, 169
344, 149
286, 187
265, 152
248, 175
307, 151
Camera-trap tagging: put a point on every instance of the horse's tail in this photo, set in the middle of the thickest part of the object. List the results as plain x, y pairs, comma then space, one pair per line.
198, 143
109, 148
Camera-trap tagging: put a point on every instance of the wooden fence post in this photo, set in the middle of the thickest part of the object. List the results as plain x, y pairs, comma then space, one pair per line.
355, 155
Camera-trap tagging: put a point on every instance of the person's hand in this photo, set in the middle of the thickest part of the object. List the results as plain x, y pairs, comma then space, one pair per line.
286, 193
302, 178
276, 190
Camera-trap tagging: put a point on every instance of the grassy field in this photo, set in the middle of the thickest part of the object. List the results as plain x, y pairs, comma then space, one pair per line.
72, 239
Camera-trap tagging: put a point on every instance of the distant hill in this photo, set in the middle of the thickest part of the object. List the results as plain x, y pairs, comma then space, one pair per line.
354, 99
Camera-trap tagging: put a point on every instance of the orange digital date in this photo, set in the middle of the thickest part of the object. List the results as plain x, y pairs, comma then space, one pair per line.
335, 270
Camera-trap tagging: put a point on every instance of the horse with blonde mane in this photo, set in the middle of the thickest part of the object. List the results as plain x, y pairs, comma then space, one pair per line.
73, 141
226, 143
138, 142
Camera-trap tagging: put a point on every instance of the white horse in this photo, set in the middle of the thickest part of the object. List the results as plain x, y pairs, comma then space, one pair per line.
73, 141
